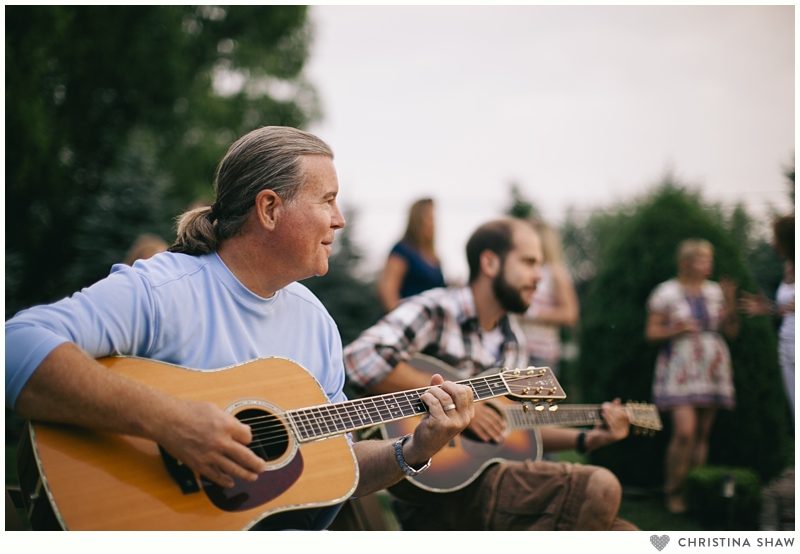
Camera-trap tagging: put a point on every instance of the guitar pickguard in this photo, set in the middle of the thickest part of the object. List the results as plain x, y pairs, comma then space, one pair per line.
245, 495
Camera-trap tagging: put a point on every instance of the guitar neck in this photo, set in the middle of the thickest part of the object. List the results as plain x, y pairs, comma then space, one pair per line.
565, 416
318, 422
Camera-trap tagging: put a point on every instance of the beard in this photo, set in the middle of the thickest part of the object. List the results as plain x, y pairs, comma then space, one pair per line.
510, 298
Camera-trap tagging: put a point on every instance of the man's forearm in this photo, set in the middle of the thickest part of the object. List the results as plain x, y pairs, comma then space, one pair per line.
558, 439
377, 465
70, 387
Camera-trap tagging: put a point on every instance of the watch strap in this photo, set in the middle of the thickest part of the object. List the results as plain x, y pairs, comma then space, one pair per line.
407, 469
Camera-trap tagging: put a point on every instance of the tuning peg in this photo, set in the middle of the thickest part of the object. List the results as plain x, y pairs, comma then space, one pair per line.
525, 408
553, 390
526, 390
553, 407
538, 407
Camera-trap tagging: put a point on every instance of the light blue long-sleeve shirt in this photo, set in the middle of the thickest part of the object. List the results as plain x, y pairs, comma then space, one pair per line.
185, 310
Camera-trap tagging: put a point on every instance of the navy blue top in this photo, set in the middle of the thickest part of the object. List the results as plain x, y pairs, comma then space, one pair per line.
421, 275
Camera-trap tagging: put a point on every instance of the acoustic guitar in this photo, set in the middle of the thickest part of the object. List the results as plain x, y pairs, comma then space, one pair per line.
459, 463
84, 479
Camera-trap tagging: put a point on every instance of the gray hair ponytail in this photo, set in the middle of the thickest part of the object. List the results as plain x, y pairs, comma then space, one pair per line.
267, 158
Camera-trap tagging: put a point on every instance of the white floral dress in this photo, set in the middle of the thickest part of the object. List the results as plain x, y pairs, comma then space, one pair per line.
692, 368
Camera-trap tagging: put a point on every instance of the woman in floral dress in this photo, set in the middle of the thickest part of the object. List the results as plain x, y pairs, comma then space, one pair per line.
693, 376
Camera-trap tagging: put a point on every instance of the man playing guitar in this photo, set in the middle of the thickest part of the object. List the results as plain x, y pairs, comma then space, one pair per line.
224, 294
469, 329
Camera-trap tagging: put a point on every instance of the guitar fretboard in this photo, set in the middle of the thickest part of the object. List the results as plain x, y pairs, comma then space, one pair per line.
565, 415
328, 420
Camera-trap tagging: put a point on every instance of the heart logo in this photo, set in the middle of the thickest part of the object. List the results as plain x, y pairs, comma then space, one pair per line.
659, 542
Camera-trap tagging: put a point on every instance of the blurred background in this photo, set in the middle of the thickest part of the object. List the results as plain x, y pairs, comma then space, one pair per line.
626, 128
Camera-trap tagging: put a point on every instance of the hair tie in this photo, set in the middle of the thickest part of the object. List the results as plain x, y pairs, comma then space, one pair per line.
214, 213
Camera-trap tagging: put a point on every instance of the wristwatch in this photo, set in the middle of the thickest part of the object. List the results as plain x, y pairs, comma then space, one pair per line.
407, 469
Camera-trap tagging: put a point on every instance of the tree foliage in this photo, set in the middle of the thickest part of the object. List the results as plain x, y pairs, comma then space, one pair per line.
116, 117
638, 254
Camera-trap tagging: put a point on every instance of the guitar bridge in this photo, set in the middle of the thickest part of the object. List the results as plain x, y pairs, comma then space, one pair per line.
180, 473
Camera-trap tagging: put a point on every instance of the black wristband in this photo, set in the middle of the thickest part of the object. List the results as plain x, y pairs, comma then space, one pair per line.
580, 443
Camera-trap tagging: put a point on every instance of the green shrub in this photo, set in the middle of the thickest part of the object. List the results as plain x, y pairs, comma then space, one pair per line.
616, 361
706, 497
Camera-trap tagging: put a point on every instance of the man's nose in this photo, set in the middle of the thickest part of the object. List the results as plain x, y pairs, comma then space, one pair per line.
338, 221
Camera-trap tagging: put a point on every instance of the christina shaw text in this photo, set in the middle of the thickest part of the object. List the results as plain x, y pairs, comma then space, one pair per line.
775, 542
733, 542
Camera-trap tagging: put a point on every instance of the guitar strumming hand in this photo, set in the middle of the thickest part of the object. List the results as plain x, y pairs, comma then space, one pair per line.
488, 425
208, 440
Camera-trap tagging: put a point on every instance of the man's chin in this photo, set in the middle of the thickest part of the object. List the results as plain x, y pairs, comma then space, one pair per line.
319, 272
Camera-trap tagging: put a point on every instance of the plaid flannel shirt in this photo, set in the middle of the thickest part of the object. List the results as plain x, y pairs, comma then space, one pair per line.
442, 323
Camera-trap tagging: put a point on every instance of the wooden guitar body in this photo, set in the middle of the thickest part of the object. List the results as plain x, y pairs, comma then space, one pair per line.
95, 480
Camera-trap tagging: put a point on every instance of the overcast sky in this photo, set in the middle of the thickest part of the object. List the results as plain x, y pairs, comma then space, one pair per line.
581, 106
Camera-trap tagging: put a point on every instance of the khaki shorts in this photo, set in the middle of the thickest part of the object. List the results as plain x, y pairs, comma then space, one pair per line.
510, 496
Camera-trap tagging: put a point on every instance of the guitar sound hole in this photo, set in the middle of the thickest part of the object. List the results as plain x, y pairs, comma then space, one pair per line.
270, 437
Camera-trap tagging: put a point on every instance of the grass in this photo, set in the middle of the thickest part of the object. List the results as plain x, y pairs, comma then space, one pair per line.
649, 514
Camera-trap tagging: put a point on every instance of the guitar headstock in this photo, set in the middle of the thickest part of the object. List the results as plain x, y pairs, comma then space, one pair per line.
537, 385
644, 418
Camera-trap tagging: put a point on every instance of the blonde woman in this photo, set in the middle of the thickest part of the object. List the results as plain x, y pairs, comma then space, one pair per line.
693, 376
413, 266
553, 305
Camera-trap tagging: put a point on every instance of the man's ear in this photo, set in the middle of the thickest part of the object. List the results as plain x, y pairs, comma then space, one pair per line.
490, 263
268, 206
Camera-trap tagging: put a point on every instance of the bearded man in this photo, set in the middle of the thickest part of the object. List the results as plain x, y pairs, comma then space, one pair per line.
469, 328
